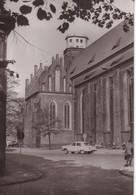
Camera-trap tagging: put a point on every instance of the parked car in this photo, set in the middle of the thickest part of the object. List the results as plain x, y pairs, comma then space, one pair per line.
79, 147
13, 144
8, 142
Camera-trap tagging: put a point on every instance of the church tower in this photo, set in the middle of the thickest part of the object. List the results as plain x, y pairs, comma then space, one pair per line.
74, 45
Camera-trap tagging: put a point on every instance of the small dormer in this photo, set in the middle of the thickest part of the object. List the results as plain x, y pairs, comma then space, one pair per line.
74, 41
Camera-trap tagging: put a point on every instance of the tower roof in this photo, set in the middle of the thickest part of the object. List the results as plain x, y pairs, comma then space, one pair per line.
70, 36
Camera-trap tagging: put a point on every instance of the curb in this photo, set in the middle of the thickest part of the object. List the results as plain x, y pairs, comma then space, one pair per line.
34, 178
125, 174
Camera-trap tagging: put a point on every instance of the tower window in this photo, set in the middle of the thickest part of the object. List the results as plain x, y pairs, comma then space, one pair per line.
81, 41
70, 40
77, 40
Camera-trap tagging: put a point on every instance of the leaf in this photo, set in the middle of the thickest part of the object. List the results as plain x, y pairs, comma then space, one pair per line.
71, 19
27, 1
61, 17
83, 4
125, 27
41, 14
52, 7
64, 6
131, 22
24, 9
65, 25
61, 29
14, 0
109, 24
22, 20
37, 3
48, 16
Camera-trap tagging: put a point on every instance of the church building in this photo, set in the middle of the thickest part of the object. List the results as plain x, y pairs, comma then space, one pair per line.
91, 89
51, 87
102, 76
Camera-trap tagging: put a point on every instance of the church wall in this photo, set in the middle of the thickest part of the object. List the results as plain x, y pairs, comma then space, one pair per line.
107, 122
28, 140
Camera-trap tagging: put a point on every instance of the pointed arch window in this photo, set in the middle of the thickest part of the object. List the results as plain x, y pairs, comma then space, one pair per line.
52, 114
43, 87
67, 115
70, 89
130, 96
111, 102
64, 84
81, 113
50, 83
57, 79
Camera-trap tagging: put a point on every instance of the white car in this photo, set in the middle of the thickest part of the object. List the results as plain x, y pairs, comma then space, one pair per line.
79, 147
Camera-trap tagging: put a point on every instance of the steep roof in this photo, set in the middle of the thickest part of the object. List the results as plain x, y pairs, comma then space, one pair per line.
107, 45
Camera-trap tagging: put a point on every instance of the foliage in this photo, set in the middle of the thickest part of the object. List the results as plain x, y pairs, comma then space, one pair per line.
100, 12
15, 108
48, 124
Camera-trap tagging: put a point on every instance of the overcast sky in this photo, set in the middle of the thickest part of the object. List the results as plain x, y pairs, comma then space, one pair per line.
43, 34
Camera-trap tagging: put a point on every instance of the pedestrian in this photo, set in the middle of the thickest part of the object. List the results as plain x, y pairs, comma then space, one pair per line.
128, 153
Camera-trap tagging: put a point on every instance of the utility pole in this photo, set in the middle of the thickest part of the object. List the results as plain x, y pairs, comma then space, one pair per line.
7, 24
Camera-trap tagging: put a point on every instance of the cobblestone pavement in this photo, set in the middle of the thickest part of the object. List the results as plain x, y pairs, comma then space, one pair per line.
64, 176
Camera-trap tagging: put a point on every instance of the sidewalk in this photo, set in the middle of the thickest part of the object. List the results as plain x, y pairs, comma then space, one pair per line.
20, 174
127, 171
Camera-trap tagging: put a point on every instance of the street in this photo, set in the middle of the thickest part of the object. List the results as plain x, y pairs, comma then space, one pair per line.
72, 174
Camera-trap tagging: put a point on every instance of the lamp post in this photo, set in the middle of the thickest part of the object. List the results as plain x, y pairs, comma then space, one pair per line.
7, 24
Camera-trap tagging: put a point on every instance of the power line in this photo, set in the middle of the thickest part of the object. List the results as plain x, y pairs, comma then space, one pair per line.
31, 44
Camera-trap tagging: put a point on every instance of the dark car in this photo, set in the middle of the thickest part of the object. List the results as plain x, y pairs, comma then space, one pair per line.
13, 144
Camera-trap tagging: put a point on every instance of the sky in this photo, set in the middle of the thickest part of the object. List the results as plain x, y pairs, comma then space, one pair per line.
43, 41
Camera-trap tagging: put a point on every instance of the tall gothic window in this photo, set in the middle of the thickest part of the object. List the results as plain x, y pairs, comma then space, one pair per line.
64, 84
52, 114
81, 113
130, 96
67, 115
70, 88
43, 87
57, 80
111, 107
94, 110
50, 83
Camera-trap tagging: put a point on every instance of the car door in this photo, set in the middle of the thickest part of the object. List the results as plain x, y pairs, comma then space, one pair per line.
78, 147
73, 147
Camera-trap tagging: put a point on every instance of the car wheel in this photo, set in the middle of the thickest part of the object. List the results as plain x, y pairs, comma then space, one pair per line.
82, 152
72, 152
65, 151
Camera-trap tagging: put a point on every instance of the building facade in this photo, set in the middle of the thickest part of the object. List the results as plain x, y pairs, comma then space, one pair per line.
102, 77
92, 91
51, 87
